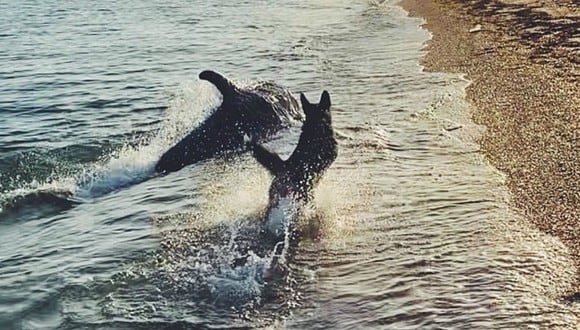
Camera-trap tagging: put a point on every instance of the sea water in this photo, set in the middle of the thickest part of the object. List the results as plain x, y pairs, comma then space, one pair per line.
411, 227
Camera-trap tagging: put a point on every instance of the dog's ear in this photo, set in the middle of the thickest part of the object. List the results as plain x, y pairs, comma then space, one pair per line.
324, 103
304, 100
226, 87
307, 107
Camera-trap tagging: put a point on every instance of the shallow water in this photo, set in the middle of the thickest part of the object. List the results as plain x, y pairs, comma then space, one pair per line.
410, 227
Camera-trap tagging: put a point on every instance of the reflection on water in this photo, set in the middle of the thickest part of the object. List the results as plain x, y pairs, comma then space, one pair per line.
410, 227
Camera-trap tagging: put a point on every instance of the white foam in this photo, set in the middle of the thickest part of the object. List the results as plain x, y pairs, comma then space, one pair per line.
240, 286
280, 215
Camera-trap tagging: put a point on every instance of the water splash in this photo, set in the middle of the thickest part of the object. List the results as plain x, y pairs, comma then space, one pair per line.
135, 162
132, 163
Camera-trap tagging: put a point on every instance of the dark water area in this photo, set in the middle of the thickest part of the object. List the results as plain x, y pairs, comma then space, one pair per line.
410, 226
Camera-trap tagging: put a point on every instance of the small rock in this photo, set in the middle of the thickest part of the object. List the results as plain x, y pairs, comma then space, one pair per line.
476, 28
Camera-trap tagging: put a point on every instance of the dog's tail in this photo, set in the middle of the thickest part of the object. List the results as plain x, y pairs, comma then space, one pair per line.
223, 84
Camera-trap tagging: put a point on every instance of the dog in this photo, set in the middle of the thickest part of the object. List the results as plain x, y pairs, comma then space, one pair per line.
260, 110
296, 178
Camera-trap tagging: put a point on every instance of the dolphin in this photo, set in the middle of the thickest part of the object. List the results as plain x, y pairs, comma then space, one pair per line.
259, 111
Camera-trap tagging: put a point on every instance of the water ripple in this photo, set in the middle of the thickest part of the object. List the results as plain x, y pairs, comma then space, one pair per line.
411, 228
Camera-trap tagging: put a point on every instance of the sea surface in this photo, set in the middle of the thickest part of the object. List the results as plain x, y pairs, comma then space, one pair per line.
410, 227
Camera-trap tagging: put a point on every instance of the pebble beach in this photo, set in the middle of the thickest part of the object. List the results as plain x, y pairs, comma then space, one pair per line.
522, 58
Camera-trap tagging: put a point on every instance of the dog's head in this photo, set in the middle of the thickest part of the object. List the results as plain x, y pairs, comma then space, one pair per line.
317, 112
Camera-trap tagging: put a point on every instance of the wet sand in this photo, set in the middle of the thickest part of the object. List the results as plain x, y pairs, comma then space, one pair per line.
523, 58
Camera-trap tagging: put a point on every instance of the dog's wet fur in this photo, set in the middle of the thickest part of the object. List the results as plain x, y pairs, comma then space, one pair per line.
296, 178
260, 110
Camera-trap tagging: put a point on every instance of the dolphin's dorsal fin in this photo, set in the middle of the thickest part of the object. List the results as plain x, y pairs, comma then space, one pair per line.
226, 87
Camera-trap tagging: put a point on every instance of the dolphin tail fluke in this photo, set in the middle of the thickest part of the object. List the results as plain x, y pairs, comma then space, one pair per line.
268, 159
225, 86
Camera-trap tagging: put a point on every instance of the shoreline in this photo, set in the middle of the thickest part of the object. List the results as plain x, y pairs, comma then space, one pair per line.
523, 61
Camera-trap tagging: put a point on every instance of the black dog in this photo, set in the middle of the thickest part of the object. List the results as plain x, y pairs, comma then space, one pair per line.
259, 111
296, 177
